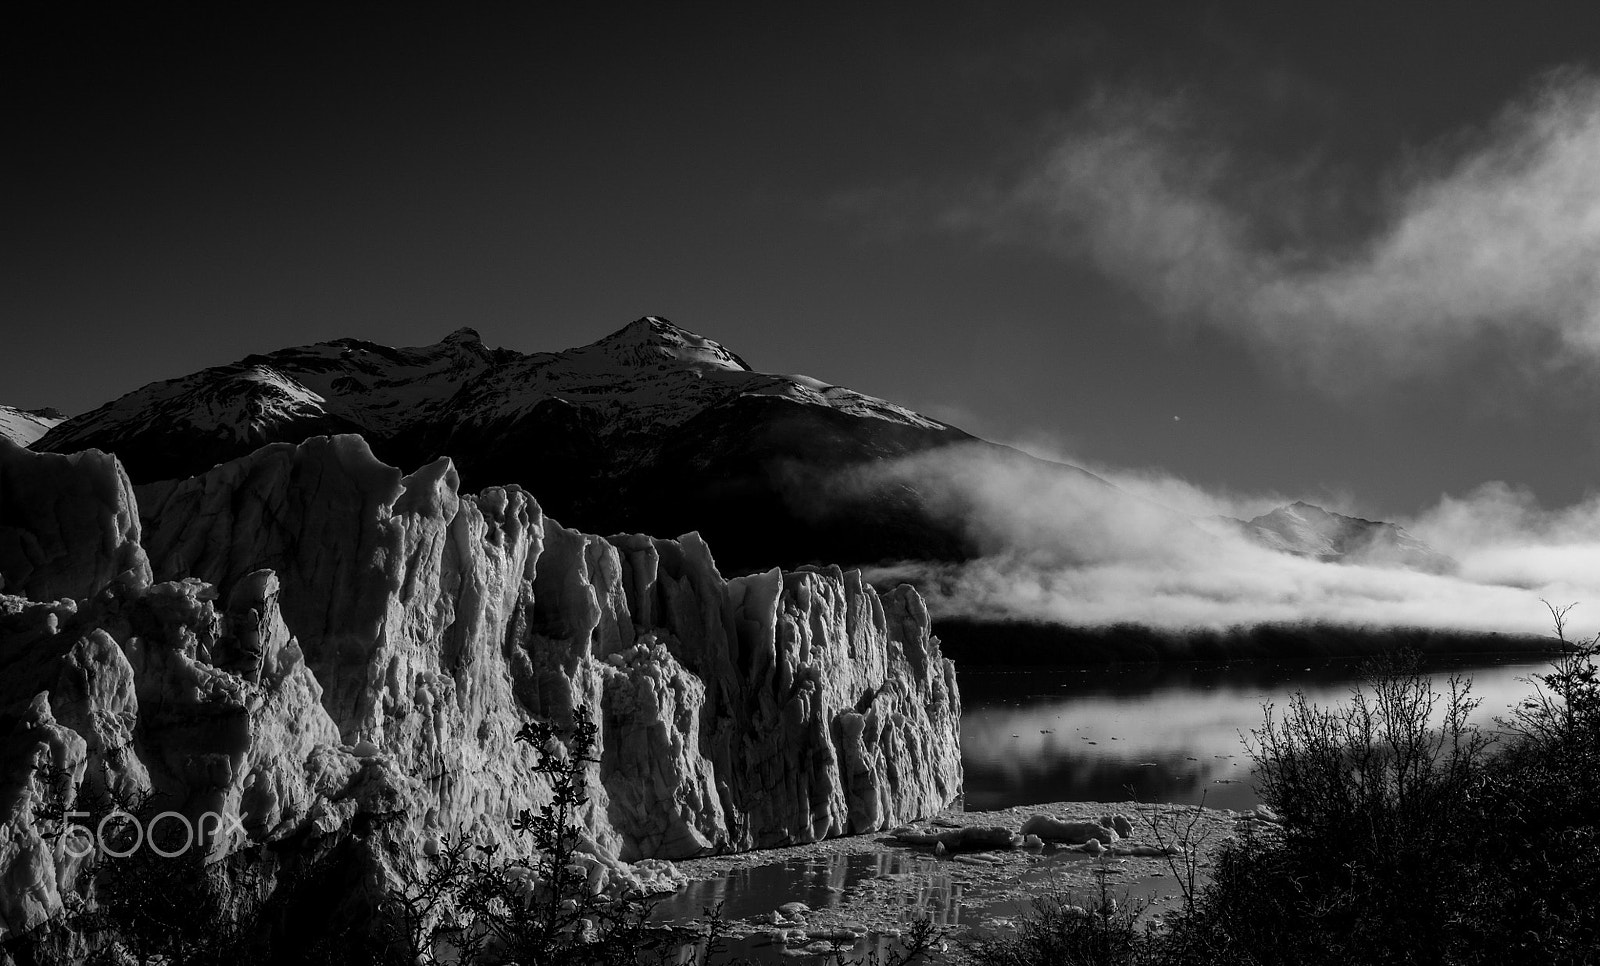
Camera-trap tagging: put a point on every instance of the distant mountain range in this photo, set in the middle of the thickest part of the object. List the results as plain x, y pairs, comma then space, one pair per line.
1307, 530
651, 429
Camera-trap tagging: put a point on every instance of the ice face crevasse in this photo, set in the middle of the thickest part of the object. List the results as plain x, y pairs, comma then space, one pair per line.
306, 636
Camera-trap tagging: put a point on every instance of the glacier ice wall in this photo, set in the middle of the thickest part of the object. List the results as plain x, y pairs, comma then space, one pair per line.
305, 639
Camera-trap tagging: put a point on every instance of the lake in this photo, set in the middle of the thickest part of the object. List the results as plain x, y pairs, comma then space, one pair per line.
1161, 733
1169, 732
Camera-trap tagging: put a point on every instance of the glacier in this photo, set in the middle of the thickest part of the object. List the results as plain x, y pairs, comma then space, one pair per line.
336, 656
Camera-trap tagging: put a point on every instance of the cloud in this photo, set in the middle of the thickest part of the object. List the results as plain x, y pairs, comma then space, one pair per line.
1160, 487
1063, 546
1502, 536
1488, 241
1496, 234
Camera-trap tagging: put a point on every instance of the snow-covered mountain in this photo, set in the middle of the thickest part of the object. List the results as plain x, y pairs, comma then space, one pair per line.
648, 376
184, 426
23, 426
1307, 530
652, 429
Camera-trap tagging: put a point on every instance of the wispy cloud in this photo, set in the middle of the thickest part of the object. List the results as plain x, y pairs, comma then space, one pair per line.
1502, 536
1488, 239
1064, 547
1499, 233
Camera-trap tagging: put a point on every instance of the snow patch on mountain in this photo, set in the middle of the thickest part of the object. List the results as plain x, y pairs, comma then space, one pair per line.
815, 392
239, 402
651, 341
23, 426
648, 376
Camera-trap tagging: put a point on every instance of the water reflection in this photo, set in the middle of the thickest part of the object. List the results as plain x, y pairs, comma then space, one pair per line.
919, 886
820, 882
1172, 733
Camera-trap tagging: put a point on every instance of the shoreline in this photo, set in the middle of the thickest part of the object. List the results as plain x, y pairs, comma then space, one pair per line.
865, 889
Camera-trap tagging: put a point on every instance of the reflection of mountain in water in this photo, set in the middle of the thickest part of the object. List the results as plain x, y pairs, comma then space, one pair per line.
1103, 779
1171, 732
1162, 741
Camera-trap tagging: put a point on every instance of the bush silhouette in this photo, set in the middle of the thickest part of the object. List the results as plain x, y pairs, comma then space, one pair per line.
1407, 836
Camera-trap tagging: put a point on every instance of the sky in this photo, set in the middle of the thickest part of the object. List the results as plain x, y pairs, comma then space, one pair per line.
1342, 252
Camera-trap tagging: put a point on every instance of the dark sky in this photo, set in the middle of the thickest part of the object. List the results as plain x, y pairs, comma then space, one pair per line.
838, 193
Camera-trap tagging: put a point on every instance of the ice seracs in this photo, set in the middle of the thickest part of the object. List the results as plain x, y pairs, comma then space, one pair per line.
305, 639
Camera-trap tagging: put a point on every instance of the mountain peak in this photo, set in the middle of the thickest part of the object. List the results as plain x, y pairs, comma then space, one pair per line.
1309, 530
1317, 515
1298, 510
652, 341
464, 335
1301, 506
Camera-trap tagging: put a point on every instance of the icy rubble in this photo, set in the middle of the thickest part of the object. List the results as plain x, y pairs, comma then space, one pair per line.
306, 640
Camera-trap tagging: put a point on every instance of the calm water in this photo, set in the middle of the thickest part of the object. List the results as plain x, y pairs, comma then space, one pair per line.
1171, 733
821, 882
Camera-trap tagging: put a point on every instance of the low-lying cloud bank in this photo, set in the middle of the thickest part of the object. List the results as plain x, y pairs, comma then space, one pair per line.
1071, 548
1495, 233
1489, 240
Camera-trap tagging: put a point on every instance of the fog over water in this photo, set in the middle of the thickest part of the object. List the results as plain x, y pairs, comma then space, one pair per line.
1062, 547
1478, 246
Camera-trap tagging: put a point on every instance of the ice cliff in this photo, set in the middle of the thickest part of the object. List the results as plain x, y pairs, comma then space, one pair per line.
307, 641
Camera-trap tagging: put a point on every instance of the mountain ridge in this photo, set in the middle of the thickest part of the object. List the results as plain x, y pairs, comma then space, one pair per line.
665, 372
651, 428
1307, 530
